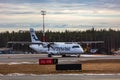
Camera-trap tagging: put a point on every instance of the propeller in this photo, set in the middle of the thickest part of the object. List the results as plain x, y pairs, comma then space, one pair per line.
50, 46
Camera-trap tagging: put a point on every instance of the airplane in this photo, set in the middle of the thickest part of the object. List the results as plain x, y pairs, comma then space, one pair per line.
55, 48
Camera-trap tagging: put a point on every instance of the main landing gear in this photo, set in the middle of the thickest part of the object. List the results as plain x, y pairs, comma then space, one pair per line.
49, 55
78, 55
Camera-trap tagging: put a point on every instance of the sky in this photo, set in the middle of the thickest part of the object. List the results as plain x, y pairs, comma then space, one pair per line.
60, 15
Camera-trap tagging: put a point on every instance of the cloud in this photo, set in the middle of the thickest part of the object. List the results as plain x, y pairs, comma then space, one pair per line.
51, 8
61, 12
56, 27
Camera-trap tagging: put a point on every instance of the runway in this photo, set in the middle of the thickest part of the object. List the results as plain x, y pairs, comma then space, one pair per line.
17, 76
33, 58
12, 59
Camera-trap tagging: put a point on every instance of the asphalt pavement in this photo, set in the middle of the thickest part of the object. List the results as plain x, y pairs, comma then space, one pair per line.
17, 76
33, 59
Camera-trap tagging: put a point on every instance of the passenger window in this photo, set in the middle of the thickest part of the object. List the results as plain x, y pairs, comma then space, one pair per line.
75, 47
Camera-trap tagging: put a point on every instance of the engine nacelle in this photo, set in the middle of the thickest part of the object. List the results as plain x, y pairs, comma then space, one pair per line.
52, 52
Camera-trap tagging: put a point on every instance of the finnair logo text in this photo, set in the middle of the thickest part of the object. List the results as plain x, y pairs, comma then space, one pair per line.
61, 48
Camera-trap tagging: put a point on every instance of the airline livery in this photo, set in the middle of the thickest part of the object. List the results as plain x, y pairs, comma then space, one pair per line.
54, 48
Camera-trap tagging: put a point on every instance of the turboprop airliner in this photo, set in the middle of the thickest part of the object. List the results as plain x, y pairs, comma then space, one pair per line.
54, 48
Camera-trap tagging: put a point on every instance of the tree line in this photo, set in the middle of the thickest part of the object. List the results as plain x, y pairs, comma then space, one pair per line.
110, 37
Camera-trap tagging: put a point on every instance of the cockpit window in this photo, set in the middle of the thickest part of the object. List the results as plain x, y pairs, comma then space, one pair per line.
75, 47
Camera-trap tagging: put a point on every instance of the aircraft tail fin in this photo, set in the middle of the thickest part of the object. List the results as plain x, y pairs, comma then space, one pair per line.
34, 38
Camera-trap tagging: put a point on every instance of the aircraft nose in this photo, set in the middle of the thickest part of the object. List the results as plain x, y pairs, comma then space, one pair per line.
81, 50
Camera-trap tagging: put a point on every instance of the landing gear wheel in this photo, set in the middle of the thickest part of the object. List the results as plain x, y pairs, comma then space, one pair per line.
78, 56
49, 55
63, 55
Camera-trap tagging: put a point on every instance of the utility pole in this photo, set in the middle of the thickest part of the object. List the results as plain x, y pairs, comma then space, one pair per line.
43, 13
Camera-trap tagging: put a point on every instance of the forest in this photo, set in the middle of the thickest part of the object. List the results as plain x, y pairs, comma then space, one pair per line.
110, 37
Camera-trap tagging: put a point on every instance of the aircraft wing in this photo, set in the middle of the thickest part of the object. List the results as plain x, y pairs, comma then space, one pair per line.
90, 42
24, 42
51, 43
82, 42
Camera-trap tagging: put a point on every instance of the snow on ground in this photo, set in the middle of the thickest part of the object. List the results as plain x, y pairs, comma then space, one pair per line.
12, 63
85, 74
94, 55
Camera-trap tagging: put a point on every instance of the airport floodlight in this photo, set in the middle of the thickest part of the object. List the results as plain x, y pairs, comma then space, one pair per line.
43, 13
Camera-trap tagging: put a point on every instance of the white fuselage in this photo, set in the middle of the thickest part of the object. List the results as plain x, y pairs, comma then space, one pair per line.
54, 47
58, 48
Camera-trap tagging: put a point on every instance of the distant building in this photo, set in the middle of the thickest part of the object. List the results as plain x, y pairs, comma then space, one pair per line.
5, 51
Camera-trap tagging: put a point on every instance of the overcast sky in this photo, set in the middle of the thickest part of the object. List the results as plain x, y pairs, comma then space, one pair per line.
60, 14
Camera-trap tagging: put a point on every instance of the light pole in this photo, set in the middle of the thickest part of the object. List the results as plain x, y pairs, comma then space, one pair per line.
43, 13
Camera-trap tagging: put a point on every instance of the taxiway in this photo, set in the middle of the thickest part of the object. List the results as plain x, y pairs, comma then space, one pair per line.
34, 58
17, 76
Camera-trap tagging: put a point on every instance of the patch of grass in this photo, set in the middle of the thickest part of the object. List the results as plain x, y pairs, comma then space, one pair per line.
91, 66
27, 68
